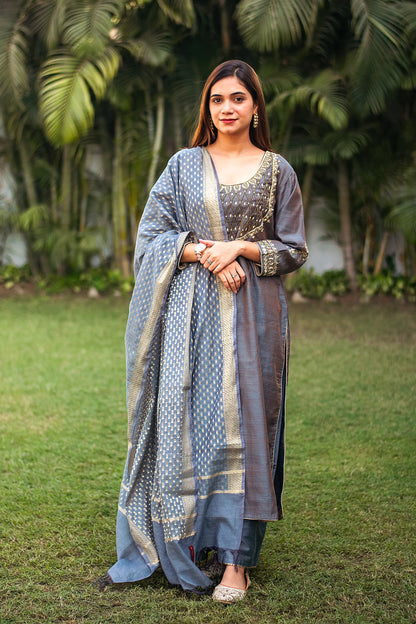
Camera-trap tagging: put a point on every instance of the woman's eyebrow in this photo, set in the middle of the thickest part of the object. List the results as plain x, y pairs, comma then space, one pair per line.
220, 94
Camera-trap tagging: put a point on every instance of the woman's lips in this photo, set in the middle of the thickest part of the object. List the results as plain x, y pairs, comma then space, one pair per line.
227, 121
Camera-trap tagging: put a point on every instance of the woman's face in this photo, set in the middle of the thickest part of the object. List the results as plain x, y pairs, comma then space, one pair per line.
231, 107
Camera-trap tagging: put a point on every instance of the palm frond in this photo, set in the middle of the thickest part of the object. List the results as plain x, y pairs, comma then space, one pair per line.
317, 154
33, 218
403, 216
66, 86
380, 62
15, 121
409, 13
88, 25
330, 32
152, 48
14, 51
180, 11
403, 198
278, 79
409, 81
67, 247
47, 19
345, 144
267, 25
300, 151
322, 95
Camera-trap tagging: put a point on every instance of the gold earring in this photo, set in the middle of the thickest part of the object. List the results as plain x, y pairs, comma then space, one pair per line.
255, 120
211, 125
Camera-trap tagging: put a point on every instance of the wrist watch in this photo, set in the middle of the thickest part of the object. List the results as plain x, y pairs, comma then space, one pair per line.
199, 249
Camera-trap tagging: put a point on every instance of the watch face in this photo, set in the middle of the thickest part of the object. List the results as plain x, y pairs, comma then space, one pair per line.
199, 248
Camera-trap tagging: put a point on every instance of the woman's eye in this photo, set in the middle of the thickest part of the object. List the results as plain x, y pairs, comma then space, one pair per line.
215, 100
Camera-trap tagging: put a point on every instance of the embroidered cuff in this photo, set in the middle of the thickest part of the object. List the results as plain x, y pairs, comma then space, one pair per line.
269, 260
299, 255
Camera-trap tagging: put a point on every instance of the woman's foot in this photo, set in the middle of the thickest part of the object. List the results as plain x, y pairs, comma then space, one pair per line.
233, 586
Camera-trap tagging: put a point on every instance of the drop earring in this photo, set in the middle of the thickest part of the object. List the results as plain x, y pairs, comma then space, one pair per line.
211, 125
255, 120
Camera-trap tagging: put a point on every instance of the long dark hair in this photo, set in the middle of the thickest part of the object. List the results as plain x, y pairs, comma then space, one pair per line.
259, 136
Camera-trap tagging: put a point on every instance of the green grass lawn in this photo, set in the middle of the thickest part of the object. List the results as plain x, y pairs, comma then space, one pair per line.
345, 551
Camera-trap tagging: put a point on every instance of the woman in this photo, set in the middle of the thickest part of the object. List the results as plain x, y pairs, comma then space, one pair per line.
207, 346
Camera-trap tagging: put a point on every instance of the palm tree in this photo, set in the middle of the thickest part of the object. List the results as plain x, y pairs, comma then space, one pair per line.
35, 38
66, 55
364, 44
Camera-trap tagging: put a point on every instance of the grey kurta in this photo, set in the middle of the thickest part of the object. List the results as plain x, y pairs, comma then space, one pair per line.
266, 209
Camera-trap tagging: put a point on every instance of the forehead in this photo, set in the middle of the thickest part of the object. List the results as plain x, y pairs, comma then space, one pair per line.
228, 85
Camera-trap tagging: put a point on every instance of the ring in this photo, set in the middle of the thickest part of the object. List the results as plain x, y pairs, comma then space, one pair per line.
209, 261
234, 275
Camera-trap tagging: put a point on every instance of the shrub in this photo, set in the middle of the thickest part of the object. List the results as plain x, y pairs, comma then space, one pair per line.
11, 275
104, 280
314, 286
385, 283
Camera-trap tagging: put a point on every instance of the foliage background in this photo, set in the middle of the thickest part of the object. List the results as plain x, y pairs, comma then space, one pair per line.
97, 94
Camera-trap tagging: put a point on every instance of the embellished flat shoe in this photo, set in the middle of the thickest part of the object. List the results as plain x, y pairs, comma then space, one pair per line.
229, 595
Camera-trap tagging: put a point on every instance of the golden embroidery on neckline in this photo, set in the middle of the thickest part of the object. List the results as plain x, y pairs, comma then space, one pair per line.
269, 159
256, 177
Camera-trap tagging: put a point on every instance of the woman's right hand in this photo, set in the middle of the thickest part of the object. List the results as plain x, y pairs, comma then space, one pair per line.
232, 276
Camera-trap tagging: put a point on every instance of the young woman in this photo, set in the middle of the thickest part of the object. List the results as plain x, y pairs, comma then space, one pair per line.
207, 348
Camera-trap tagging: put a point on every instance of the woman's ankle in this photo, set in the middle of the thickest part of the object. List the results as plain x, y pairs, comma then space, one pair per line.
234, 576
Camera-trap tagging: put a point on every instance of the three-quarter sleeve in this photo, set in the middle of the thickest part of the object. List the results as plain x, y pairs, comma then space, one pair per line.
288, 251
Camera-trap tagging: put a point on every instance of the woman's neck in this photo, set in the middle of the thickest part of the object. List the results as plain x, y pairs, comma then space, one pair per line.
232, 146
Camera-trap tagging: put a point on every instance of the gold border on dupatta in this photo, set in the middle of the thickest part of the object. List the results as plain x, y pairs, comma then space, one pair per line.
226, 300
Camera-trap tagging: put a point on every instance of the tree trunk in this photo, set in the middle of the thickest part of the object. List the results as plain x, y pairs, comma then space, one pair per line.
409, 259
54, 201
66, 191
307, 189
75, 197
29, 183
177, 122
367, 247
285, 132
150, 122
346, 230
133, 201
121, 260
132, 198
381, 253
160, 119
225, 27
83, 202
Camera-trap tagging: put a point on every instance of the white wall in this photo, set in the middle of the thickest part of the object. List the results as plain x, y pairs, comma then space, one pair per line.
324, 254
14, 251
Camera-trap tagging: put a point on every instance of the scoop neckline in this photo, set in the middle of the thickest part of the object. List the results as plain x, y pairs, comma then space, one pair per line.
221, 184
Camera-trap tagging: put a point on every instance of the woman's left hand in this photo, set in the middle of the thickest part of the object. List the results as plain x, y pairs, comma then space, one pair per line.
219, 254
232, 276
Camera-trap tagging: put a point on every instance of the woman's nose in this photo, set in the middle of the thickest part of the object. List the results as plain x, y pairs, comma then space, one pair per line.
227, 106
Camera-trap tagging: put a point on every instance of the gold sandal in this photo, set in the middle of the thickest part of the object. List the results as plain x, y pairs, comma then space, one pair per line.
229, 595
